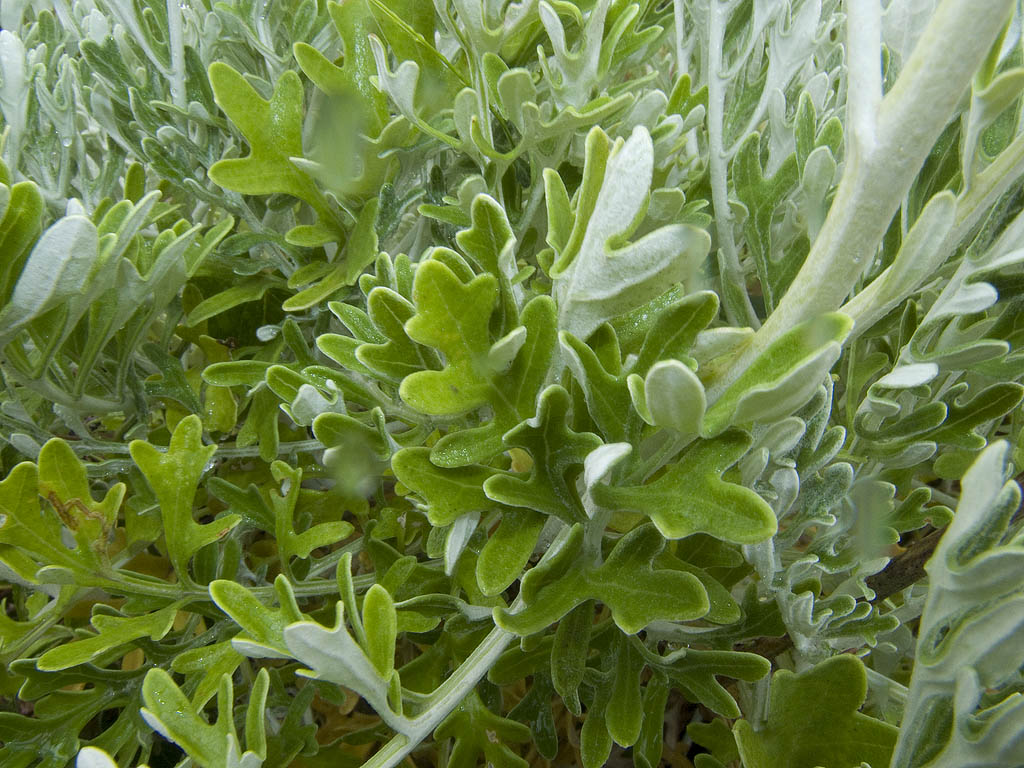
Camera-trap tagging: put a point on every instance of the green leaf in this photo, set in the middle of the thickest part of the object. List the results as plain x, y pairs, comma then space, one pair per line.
965, 417
261, 424
692, 497
452, 316
717, 737
557, 452
675, 330
783, 377
624, 715
174, 476
169, 712
724, 609
650, 743
360, 252
252, 289
114, 632
204, 667
351, 81
489, 241
696, 672
595, 740
762, 197
626, 582
264, 627
448, 492
569, 654
236, 373
63, 482
274, 132
19, 228
380, 624
479, 732
290, 542
513, 392
534, 710
55, 727
172, 383
408, 28
397, 355
31, 537
605, 388
508, 549
831, 734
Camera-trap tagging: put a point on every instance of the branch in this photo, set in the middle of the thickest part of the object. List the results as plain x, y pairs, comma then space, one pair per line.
905, 569
864, 70
909, 121
445, 699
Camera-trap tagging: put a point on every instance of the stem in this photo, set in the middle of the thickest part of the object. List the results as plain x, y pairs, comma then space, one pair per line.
868, 306
987, 187
864, 83
54, 612
681, 57
175, 41
905, 569
445, 699
878, 175
728, 257
229, 452
49, 390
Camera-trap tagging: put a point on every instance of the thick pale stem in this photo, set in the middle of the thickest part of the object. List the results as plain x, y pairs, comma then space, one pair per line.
866, 308
864, 67
987, 187
878, 177
176, 44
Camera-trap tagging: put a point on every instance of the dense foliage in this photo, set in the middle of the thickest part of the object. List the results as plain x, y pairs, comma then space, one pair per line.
533, 382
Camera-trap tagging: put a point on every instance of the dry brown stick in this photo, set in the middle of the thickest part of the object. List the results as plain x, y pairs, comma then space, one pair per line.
905, 569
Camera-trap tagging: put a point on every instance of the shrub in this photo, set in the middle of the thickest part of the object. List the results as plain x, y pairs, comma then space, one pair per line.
535, 382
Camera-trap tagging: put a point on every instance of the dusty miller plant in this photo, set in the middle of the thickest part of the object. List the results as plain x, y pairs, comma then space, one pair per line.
534, 382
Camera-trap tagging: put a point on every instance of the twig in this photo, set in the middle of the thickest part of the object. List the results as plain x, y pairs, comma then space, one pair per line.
905, 569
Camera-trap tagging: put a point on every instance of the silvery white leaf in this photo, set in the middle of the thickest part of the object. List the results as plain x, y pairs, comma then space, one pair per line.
458, 537
907, 376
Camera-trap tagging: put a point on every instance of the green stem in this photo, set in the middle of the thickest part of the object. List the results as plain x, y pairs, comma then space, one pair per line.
230, 451
64, 600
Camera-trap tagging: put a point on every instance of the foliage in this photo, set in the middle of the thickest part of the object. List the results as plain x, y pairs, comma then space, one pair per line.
543, 382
